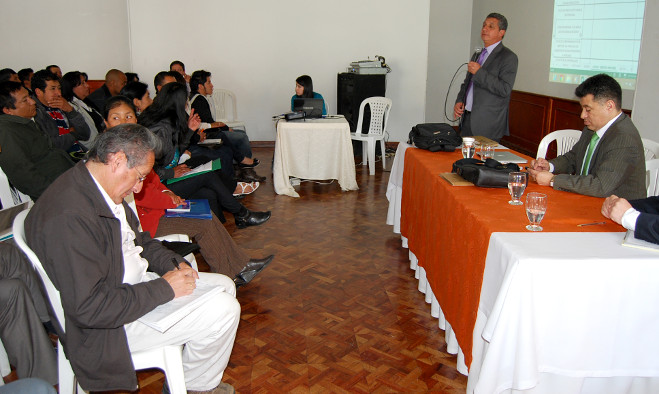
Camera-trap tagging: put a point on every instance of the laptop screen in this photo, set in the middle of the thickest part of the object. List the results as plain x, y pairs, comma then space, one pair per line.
312, 107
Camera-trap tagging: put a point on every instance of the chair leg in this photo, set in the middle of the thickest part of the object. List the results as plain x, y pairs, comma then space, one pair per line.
364, 152
173, 369
371, 156
384, 154
67, 380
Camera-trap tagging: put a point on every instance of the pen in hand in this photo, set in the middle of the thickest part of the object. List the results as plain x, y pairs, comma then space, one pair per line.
175, 263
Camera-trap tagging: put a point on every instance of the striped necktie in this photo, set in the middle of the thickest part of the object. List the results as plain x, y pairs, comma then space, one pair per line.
589, 154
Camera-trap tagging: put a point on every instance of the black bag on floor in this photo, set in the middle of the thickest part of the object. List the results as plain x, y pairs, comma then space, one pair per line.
488, 173
434, 137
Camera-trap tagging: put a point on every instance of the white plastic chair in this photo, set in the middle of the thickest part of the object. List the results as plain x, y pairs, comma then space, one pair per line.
565, 140
380, 107
9, 195
651, 149
652, 176
166, 358
226, 109
5, 368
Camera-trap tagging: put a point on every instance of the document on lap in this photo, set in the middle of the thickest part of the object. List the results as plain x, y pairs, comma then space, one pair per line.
166, 315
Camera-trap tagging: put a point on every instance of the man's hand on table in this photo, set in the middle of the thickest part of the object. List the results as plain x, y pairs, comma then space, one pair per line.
539, 164
614, 207
183, 280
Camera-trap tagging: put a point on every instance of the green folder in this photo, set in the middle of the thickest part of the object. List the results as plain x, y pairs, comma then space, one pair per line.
216, 165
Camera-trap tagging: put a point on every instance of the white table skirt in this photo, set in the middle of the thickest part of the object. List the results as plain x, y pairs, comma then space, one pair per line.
580, 317
313, 149
395, 187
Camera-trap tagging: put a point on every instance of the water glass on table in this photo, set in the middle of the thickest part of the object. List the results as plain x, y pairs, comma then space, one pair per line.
468, 147
536, 206
487, 151
517, 182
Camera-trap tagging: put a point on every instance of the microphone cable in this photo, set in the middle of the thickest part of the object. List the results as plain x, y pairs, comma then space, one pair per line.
449, 91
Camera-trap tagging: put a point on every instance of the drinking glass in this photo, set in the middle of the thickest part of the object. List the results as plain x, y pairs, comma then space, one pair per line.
516, 185
468, 147
487, 151
536, 206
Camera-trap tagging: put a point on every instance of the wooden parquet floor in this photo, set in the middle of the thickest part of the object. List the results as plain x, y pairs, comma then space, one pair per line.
338, 310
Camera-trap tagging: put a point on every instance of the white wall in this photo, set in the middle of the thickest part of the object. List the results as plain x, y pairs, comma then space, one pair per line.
645, 98
90, 36
448, 48
257, 49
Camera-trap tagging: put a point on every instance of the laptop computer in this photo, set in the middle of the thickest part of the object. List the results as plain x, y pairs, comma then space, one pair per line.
312, 107
508, 157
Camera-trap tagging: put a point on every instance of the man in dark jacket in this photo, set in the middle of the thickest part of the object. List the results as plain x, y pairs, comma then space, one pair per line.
115, 80
27, 155
88, 240
640, 216
55, 116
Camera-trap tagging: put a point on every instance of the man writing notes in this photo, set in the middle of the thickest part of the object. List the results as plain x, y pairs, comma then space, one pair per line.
485, 94
88, 240
608, 158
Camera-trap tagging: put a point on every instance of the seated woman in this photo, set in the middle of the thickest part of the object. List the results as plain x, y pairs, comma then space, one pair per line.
75, 90
138, 92
167, 118
304, 89
217, 247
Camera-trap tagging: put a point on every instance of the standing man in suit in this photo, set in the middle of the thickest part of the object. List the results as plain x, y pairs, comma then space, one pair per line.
640, 216
608, 158
482, 103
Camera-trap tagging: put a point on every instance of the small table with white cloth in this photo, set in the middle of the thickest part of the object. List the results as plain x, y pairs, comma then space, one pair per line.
313, 149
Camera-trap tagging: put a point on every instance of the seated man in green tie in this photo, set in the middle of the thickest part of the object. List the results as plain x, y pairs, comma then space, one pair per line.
608, 158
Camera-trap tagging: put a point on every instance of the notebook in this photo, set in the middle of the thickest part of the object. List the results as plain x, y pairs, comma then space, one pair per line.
312, 107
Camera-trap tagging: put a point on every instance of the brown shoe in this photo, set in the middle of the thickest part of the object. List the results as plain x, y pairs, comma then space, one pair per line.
222, 388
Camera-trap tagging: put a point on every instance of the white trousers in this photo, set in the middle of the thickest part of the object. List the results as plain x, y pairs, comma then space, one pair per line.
207, 335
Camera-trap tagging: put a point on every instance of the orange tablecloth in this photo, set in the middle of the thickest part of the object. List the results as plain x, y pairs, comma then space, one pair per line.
448, 229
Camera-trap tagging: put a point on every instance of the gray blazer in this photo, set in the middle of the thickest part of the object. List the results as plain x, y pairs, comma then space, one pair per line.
493, 84
616, 167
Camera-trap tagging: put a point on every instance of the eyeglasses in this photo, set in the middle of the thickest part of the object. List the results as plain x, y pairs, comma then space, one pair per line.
141, 177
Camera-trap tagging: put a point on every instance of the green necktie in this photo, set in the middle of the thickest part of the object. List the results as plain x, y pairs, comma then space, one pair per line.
589, 154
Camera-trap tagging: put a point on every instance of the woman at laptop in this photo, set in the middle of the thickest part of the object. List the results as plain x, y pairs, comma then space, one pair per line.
304, 89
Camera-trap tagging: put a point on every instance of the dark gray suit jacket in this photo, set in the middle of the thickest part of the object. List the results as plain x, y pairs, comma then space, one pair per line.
616, 167
493, 84
647, 224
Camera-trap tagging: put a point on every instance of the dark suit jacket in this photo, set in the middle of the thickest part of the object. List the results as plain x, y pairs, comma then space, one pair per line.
647, 224
493, 84
617, 165
98, 98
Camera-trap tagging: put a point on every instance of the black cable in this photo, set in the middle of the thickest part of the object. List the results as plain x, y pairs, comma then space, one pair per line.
449, 91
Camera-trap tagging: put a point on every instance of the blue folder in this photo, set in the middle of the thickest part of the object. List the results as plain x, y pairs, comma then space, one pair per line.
199, 209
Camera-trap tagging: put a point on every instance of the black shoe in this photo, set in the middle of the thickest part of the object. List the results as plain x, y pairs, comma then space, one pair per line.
252, 219
249, 175
239, 281
258, 264
254, 164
